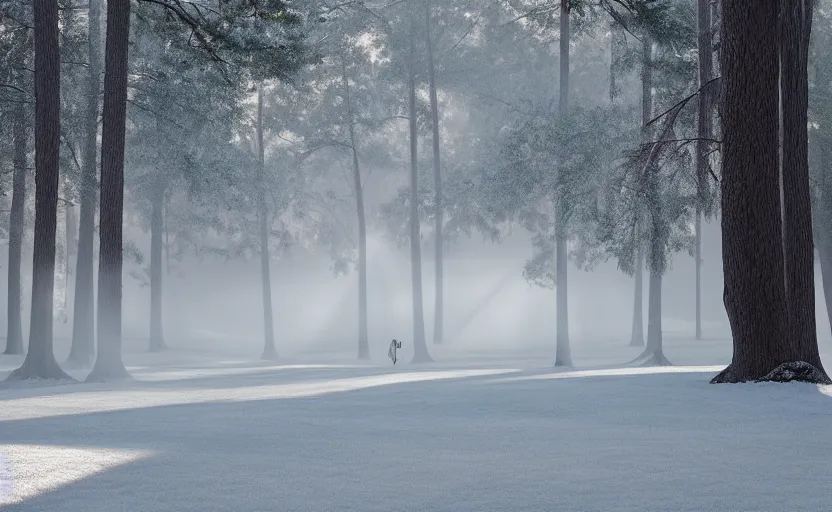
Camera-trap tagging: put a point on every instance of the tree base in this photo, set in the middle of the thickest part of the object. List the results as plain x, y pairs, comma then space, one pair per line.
650, 357
794, 371
101, 373
566, 363
14, 350
78, 362
269, 354
43, 370
422, 359
636, 342
159, 346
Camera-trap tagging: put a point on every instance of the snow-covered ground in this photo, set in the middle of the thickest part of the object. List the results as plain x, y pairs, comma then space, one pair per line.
213, 433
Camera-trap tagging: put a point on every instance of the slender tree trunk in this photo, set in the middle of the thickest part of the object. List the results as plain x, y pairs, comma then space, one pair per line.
269, 349
654, 352
753, 259
798, 245
704, 131
82, 350
637, 334
71, 222
358, 187
420, 348
439, 311
14, 334
563, 353
40, 361
157, 338
108, 363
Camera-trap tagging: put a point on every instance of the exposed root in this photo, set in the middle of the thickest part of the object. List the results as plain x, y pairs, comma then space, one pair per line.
726, 376
799, 371
794, 371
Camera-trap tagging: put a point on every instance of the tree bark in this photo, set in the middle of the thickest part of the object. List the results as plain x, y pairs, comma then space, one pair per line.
637, 334
108, 364
439, 306
758, 298
358, 187
654, 352
826, 277
71, 224
798, 244
14, 333
563, 353
40, 361
82, 350
704, 132
420, 348
157, 338
269, 349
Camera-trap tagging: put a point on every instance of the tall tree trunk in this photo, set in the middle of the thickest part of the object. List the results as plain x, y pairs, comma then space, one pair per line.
108, 363
269, 349
752, 241
654, 352
40, 361
358, 187
563, 353
71, 224
704, 132
439, 306
420, 348
157, 338
82, 350
637, 334
14, 334
798, 246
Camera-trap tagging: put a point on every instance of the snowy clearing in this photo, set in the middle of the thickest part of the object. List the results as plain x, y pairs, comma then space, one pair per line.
221, 436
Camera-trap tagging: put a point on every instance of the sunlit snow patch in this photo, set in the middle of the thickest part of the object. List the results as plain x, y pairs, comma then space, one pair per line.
613, 372
31, 470
67, 404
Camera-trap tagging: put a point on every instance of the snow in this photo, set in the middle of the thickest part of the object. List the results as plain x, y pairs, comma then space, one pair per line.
224, 434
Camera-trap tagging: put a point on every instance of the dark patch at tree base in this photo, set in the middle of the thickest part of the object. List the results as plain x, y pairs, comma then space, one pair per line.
794, 371
563, 364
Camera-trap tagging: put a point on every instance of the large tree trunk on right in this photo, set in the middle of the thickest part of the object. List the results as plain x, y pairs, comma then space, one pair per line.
82, 351
767, 345
108, 363
563, 353
269, 349
157, 338
14, 334
40, 361
704, 132
439, 305
420, 348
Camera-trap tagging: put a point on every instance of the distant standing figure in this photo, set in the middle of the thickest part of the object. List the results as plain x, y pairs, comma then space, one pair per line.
391, 352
